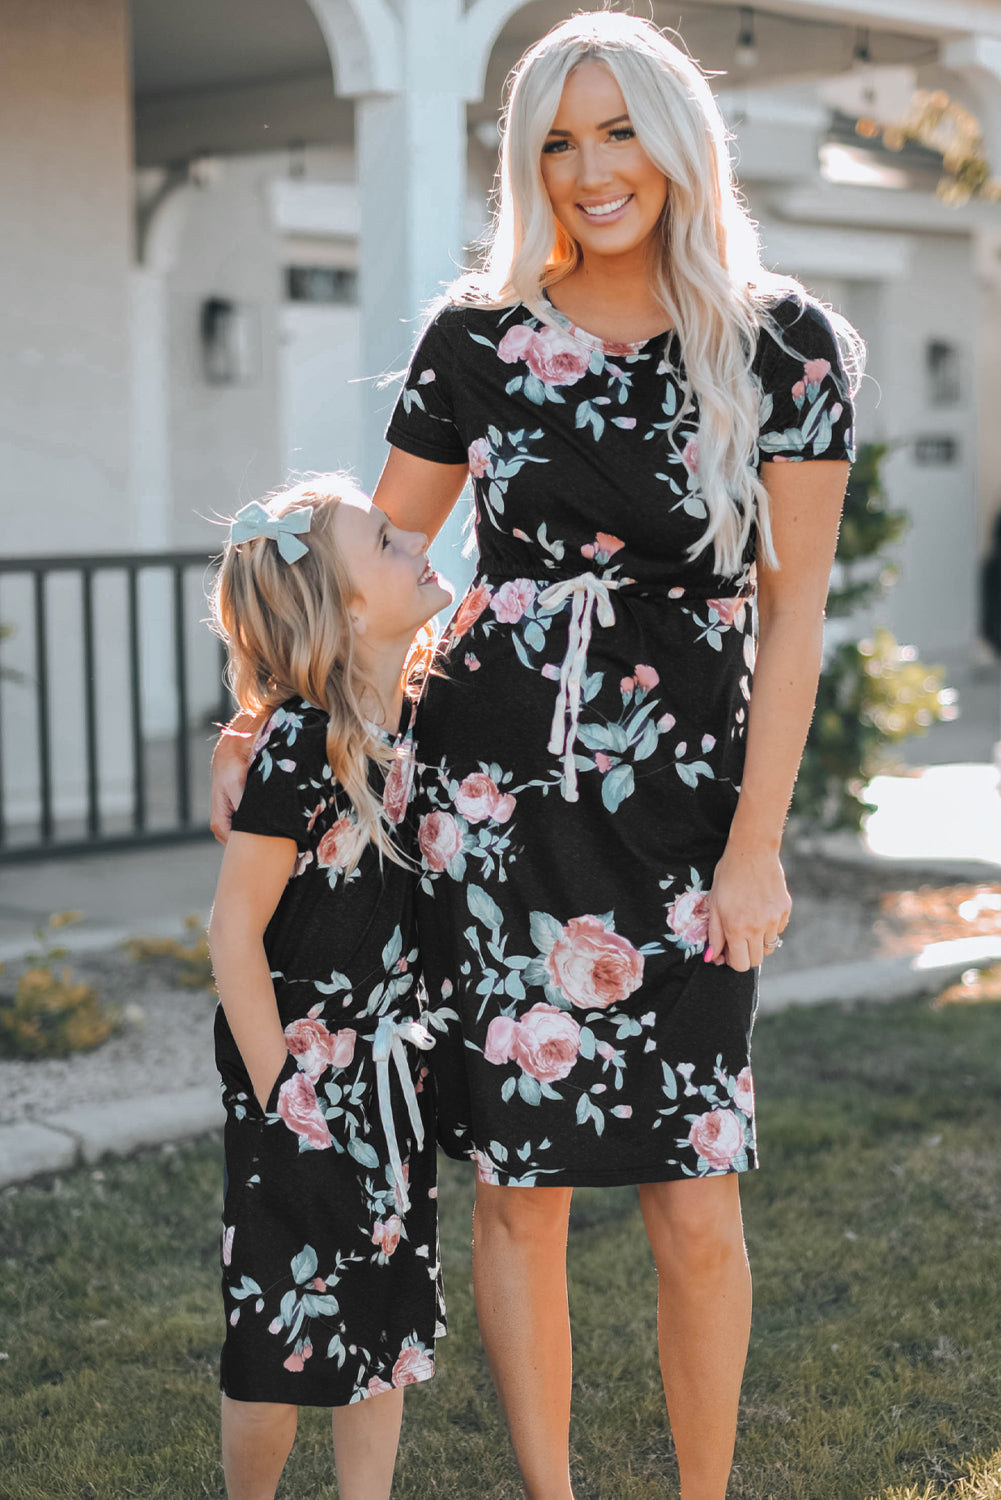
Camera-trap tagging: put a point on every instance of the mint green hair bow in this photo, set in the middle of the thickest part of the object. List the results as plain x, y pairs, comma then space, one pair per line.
254, 521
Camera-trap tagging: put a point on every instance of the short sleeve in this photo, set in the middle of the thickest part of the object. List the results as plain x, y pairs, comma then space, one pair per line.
423, 421
806, 409
275, 802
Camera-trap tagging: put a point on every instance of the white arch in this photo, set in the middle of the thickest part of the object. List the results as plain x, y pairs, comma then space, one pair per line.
481, 26
364, 40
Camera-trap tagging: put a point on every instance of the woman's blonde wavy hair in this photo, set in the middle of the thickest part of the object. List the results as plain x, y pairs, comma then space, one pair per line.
708, 276
288, 633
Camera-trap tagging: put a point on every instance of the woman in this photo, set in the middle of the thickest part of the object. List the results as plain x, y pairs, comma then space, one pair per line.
603, 804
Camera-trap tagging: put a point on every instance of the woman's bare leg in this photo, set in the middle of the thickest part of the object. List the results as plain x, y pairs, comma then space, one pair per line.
520, 1284
703, 1321
257, 1438
366, 1437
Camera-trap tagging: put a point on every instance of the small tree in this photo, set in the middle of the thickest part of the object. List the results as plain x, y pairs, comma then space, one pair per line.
873, 693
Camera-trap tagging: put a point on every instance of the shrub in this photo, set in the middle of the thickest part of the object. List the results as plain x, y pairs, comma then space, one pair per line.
50, 1014
190, 962
872, 693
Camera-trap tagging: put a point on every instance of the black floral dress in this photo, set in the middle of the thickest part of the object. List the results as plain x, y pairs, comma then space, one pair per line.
582, 753
331, 1271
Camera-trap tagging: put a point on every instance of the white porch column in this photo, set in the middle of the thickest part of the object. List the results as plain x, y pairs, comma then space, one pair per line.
411, 69
411, 151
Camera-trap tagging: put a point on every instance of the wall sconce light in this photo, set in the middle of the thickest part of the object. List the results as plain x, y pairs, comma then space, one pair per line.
229, 342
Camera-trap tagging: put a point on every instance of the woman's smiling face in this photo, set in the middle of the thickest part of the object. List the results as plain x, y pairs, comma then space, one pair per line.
604, 189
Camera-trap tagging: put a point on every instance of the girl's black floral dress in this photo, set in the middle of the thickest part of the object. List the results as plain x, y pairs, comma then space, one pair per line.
582, 753
331, 1272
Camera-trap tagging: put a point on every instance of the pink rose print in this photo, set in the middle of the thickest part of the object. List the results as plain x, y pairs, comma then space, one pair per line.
594, 966
546, 1042
718, 1137
688, 917
690, 456
276, 1325
479, 800
799, 393
317, 1048
472, 662
512, 599
413, 1365
623, 1111
515, 344
626, 686
386, 1234
647, 677
479, 457
552, 355
603, 547
470, 609
263, 735
485, 1170
377, 1387
337, 846
439, 839
728, 611
743, 1094
665, 723
396, 792
499, 1045
425, 377
602, 761
294, 1364
227, 1243
815, 370
298, 1107
551, 672
317, 810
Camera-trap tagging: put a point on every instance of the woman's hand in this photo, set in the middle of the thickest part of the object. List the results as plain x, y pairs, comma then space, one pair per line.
230, 762
749, 906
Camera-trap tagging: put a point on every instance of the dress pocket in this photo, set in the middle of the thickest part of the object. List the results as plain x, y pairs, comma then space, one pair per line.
288, 1070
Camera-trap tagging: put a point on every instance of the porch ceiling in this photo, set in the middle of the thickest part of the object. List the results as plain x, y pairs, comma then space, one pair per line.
220, 76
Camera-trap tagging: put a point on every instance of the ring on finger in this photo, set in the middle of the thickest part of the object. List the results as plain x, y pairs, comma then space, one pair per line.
772, 943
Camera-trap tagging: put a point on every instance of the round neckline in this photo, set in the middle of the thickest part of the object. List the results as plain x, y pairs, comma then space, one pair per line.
622, 347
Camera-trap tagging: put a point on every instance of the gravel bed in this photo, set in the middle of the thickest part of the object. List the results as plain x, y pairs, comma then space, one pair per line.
165, 1044
836, 918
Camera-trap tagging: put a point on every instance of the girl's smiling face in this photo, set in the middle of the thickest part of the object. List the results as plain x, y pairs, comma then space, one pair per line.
604, 189
396, 590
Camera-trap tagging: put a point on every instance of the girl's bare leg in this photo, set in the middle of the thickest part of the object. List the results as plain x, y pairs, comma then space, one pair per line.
703, 1321
366, 1437
520, 1284
257, 1438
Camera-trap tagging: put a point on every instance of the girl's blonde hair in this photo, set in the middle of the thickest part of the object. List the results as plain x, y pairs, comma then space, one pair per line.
288, 633
708, 275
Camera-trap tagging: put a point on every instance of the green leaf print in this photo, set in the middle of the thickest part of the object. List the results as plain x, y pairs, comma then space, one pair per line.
304, 1265
546, 931
530, 1089
393, 950
586, 1043
535, 636
507, 1089
484, 908
315, 1306
363, 1152
534, 389
611, 737
648, 740
617, 786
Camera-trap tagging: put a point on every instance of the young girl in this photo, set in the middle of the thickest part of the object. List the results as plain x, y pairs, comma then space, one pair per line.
331, 1275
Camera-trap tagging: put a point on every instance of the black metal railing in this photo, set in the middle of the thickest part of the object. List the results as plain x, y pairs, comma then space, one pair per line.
152, 624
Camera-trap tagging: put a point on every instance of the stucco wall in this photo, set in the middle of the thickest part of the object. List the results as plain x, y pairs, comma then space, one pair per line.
66, 193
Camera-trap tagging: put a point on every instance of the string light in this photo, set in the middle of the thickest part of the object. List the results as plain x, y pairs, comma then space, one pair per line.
746, 54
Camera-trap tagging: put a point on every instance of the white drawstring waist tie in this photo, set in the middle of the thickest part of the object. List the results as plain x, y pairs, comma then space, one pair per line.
587, 591
388, 1045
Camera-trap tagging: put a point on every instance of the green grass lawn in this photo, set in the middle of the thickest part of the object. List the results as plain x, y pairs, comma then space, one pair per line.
875, 1366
